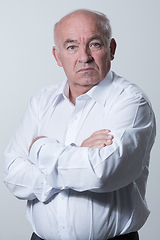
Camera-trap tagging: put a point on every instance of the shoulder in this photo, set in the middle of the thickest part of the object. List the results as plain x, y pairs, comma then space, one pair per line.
46, 97
128, 90
46, 93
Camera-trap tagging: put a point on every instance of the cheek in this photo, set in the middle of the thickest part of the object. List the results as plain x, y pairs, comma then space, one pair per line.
68, 67
102, 63
67, 62
101, 59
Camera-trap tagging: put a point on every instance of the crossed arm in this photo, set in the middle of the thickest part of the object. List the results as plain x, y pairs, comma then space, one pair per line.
98, 139
52, 166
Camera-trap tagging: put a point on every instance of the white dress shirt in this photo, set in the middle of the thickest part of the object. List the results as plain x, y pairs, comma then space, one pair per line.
76, 192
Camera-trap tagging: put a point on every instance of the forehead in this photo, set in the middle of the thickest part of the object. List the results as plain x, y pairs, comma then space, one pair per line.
79, 26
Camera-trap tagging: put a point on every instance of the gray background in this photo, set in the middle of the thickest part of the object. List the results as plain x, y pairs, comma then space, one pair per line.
26, 65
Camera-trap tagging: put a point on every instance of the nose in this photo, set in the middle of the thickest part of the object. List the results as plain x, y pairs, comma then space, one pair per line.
84, 55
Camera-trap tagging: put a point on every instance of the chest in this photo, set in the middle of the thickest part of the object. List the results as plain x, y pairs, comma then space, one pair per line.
73, 124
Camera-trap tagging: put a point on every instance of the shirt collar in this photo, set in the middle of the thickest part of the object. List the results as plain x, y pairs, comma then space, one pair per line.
62, 91
98, 93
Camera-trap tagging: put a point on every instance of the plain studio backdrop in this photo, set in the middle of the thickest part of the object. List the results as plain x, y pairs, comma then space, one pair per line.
27, 65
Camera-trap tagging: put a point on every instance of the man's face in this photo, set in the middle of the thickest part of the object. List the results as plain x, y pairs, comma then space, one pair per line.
82, 52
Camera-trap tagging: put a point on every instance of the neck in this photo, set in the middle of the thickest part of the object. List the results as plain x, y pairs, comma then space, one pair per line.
73, 94
72, 99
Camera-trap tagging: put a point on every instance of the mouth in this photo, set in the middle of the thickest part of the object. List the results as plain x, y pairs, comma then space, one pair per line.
83, 70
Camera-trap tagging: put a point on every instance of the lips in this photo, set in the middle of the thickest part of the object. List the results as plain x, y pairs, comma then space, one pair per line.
85, 70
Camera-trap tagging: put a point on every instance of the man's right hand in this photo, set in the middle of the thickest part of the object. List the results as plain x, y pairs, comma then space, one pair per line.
98, 139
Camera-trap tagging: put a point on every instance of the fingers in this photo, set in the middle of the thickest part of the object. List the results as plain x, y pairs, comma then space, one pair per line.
102, 137
98, 139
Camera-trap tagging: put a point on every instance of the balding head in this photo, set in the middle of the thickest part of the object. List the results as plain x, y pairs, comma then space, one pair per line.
100, 19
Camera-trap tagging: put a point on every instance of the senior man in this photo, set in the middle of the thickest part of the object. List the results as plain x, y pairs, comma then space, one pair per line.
80, 155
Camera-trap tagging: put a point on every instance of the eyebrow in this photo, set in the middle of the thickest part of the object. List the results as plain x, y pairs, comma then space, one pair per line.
67, 41
94, 37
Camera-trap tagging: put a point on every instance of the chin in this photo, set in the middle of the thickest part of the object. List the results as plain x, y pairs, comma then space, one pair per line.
91, 80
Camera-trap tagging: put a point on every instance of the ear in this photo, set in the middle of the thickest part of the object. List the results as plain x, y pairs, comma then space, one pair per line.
56, 56
113, 46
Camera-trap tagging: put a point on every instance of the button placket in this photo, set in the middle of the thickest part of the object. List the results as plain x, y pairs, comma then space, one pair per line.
74, 123
62, 206
64, 232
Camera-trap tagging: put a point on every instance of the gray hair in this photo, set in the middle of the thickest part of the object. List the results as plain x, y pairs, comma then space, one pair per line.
101, 19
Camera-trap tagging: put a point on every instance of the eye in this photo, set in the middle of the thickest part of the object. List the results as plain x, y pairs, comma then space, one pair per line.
95, 45
71, 47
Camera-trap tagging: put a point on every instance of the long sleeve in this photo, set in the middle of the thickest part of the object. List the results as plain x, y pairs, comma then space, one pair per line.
53, 166
23, 178
133, 126
58, 175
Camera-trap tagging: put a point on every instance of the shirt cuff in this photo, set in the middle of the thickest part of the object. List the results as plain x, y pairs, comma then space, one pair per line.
36, 148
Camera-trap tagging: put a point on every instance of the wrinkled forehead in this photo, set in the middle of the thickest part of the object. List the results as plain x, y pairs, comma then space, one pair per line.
77, 24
